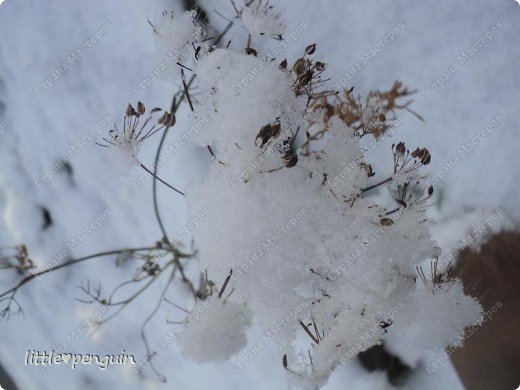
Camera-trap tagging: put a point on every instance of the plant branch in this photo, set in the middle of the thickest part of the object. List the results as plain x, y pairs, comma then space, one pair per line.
376, 185
28, 278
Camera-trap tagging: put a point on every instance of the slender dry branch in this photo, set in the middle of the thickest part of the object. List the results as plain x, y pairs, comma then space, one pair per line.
309, 332
175, 106
161, 180
68, 263
376, 185
149, 353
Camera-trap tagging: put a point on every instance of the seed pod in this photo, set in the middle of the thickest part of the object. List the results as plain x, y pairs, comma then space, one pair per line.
140, 108
264, 134
299, 67
401, 203
156, 109
309, 50
305, 78
264, 131
250, 51
283, 64
171, 120
386, 221
417, 153
276, 130
426, 157
167, 119
400, 148
370, 171
162, 118
130, 110
290, 160
319, 66
430, 191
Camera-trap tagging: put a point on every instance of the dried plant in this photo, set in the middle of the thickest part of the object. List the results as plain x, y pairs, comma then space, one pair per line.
342, 303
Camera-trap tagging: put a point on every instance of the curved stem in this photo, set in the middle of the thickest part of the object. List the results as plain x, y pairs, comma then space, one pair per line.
150, 316
175, 106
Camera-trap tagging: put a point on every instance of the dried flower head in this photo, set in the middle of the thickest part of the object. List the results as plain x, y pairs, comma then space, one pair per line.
174, 37
374, 115
259, 19
406, 162
408, 192
16, 258
308, 75
436, 276
125, 143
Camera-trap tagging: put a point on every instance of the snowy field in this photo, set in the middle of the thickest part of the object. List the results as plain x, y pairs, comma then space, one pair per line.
461, 56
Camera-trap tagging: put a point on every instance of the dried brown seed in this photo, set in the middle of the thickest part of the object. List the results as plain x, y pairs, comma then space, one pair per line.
299, 67
130, 110
370, 171
400, 148
430, 191
264, 134
140, 108
402, 203
290, 160
264, 131
386, 221
164, 119
426, 157
417, 153
276, 130
309, 50
170, 121
305, 78
283, 64
250, 51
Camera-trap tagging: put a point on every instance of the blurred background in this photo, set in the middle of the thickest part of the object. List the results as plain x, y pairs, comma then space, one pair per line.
462, 57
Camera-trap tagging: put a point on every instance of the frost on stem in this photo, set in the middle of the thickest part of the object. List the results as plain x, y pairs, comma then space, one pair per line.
259, 19
174, 37
312, 254
124, 143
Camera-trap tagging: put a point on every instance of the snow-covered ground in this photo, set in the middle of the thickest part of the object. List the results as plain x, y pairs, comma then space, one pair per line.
463, 57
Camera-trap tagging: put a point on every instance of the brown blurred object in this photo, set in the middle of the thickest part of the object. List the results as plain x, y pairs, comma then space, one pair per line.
490, 357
